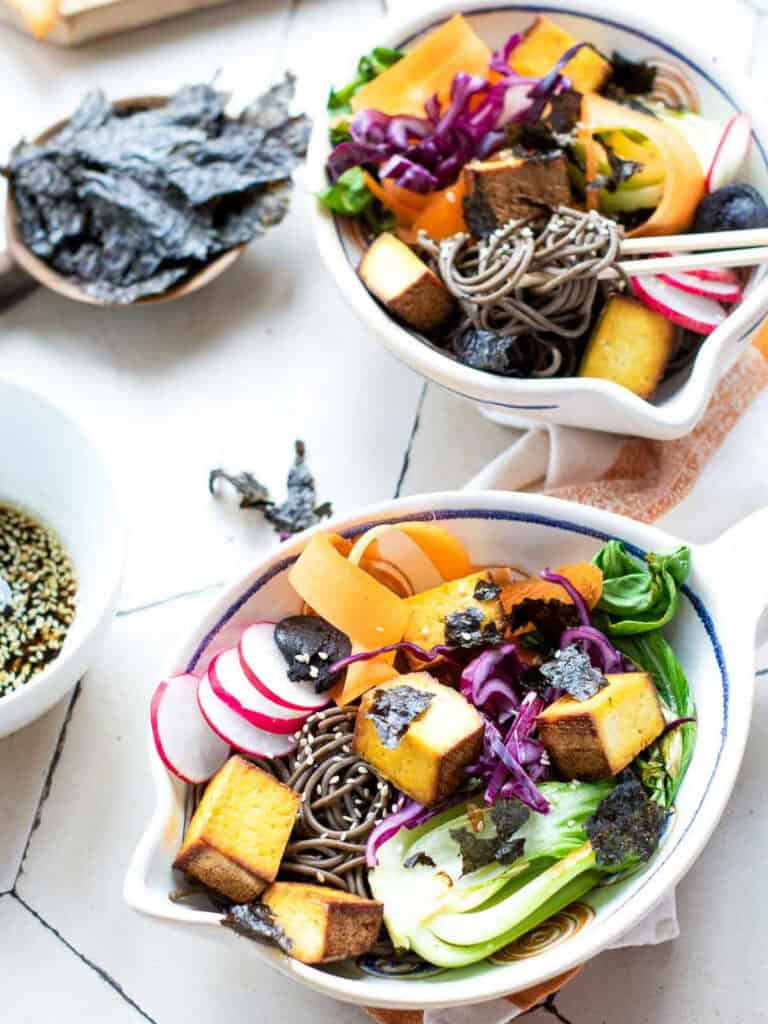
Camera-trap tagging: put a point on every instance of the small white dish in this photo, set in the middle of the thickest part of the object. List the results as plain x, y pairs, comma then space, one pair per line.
713, 636
51, 469
580, 402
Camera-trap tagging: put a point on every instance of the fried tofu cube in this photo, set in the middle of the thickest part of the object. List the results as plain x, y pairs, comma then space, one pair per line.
430, 608
630, 345
542, 47
323, 924
429, 760
510, 187
405, 284
596, 738
239, 831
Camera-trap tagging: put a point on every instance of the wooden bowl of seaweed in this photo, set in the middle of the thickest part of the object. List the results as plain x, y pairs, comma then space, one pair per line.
147, 199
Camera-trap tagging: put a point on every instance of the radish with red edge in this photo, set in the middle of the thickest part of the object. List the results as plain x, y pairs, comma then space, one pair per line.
265, 668
720, 291
183, 740
235, 731
231, 686
730, 154
691, 311
724, 274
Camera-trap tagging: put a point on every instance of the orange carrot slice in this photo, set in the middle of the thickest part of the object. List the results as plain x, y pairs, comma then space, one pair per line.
443, 215
428, 68
683, 177
443, 549
585, 577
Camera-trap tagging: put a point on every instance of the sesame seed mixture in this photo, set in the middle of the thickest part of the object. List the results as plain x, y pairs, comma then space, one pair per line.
37, 597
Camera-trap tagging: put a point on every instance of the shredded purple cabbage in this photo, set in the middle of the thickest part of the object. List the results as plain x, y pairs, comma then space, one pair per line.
572, 592
439, 650
427, 153
407, 815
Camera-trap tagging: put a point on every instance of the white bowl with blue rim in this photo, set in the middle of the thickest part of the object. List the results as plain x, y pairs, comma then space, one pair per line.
581, 402
715, 646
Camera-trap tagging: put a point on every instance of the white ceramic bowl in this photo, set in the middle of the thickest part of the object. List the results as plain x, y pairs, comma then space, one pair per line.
593, 404
714, 639
52, 469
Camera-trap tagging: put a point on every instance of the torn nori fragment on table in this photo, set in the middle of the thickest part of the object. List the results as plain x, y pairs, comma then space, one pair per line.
393, 710
256, 921
126, 203
299, 510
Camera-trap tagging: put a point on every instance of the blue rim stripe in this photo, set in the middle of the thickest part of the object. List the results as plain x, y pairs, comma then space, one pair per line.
523, 517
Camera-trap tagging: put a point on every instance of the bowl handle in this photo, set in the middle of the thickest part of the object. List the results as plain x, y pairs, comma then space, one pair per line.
15, 283
742, 553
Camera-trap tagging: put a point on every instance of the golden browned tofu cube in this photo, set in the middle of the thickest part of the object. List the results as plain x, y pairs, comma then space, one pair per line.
630, 345
542, 47
323, 924
597, 738
430, 609
405, 284
510, 187
239, 831
428, 759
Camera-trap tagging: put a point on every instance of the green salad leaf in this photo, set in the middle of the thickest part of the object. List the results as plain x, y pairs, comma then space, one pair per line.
369, 66
349, 195
639, 598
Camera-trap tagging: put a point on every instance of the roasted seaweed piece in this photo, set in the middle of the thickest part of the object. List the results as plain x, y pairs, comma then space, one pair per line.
393, 710
128, 202
626, 826
572, 671
548, 618
486, 590
256, 921
635, 77
468, 628
299, 510
621, 170
310, 646
419, 858
476, 851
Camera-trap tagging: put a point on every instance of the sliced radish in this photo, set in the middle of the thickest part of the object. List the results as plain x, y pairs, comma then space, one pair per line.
719, 290
234, 730
730, 154
230, 684
724, 274
692, 311
265, 668
183, 741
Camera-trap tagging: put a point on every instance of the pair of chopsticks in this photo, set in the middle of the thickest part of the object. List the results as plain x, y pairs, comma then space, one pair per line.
728, 249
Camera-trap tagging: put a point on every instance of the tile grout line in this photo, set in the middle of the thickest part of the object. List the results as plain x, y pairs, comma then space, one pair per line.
104, 975
122, 613
46, 790
409, 447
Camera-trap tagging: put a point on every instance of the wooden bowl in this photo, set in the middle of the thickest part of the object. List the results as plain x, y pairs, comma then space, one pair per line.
20, 256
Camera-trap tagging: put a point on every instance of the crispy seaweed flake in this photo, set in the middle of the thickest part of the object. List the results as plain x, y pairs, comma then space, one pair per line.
626, 826
256, 921
419, 858
310, 646
548, 618
632, 76
468, 628
486, 590
393, 710
572, 671
299, 510
128, 202
508, 815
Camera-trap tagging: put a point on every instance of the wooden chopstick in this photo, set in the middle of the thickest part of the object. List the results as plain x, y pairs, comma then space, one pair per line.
702, 261
697, 242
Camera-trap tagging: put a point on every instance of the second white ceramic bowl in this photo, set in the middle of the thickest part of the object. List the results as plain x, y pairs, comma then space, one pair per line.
581, 402
51, 468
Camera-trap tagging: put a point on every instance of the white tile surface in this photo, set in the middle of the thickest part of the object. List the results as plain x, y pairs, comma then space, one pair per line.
71, 990
231, 376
